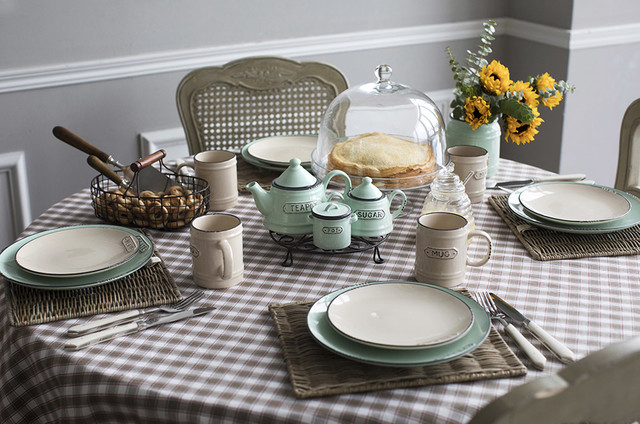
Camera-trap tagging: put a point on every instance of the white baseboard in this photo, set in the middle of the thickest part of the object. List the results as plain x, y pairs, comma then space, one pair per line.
13, 164
183, 60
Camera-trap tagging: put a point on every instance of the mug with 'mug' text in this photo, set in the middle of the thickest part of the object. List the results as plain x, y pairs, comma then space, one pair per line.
441, 249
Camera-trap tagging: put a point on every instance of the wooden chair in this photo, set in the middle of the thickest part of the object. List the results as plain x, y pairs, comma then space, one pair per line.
628, 174
603, 387
225, 107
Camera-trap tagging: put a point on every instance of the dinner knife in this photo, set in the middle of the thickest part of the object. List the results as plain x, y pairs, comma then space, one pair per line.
562, 352
520, 183
82, 342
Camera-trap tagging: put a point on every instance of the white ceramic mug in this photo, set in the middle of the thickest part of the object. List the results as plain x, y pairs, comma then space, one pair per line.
219, 168
441, 249
471, 164
216, 250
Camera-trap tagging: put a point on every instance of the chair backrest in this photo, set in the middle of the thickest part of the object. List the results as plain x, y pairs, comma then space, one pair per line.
600, 388
628, 174
225, 107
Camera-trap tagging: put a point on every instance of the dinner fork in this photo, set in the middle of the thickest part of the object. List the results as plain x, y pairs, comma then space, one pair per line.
101, 324
484, 299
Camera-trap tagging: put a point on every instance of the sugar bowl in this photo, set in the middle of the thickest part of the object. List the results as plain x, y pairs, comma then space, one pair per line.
373, 209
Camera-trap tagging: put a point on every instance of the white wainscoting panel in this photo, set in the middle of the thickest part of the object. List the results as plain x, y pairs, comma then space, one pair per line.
172, 140
16, 208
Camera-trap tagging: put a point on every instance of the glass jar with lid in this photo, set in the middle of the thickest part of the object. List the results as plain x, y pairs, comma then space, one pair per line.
448, 194
384, 130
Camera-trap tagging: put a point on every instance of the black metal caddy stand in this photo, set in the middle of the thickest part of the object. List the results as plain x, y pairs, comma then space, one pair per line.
304, 243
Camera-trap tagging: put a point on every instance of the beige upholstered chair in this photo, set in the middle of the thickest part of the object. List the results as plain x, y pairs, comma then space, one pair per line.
628, 175
603, 387
225, 107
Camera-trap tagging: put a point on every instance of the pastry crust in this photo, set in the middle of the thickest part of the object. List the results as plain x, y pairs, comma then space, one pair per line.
381, 155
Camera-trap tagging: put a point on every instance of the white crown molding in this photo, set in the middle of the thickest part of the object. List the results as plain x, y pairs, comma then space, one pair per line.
184, 60
15, 166
544, 34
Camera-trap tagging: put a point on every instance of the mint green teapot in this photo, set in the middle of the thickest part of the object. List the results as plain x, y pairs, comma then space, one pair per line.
291, 198
373, 209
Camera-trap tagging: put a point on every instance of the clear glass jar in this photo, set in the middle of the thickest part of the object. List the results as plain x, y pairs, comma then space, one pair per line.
397, 112
448, 195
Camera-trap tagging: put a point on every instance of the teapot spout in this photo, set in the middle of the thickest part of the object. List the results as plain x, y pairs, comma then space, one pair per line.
261, 197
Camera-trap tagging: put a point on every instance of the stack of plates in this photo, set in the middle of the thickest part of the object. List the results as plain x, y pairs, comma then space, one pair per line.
398, 323
75, 257
274, 153
574, 207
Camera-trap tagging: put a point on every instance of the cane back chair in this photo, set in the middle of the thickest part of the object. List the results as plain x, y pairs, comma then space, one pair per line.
599, 388
628, 173
225, 107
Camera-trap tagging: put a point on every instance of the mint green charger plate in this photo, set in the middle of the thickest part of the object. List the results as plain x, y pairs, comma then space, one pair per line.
324, 333
14, 273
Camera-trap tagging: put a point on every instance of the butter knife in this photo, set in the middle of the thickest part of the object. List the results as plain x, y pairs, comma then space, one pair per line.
562, 352
521, 183
82, 342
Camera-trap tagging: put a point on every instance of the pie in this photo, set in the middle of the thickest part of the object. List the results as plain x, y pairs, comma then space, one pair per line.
380, 155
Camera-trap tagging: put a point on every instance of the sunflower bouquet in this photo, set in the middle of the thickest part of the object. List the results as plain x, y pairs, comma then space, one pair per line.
484, 92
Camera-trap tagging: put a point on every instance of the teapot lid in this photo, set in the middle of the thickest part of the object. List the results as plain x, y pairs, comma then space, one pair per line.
295, 177
366, 191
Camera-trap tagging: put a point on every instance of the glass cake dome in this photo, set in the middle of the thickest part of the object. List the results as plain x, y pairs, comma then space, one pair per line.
383, 130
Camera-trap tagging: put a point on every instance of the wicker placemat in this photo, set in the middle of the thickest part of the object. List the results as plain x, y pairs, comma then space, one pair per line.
315, 371
151, 285
545, 245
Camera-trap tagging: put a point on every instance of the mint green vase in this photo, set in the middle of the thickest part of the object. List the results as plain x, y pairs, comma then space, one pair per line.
486, 136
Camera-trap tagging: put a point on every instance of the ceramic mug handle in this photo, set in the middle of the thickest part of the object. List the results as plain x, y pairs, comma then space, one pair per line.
182, 163
402, 205
227, 259
485, 258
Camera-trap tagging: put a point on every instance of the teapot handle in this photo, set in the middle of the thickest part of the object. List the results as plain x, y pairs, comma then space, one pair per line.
402, 205
345, 177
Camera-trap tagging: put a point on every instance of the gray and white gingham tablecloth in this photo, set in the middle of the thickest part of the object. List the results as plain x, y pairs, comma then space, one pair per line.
228, 367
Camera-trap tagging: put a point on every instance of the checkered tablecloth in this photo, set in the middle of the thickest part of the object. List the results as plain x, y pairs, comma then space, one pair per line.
227, 367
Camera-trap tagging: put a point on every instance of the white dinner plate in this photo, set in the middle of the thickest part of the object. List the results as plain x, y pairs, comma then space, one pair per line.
574, 203
12, 272
77, 250
324, 333
629, 220
278, 150
400, 315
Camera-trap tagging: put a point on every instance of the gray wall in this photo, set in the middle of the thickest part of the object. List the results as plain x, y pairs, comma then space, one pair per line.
108, 70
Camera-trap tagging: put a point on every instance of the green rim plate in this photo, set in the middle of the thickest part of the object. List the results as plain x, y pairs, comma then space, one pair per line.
627, 221
324, 333
13, 272
253, 161
265, 149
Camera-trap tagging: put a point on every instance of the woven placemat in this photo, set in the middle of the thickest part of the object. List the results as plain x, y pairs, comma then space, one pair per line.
545, 245
149, 286
315, 371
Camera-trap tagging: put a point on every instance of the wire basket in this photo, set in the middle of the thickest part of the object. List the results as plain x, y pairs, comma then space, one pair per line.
174, 208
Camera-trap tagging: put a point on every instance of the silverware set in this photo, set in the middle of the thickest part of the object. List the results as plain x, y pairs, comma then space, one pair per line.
508, 186
500, 311
104, 329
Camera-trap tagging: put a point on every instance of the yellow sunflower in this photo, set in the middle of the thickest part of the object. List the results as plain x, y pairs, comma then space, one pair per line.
529, 96
544, 83
495, 78
476, 111
520, 132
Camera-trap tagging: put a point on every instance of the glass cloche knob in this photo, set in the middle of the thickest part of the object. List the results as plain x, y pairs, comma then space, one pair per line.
383, 73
